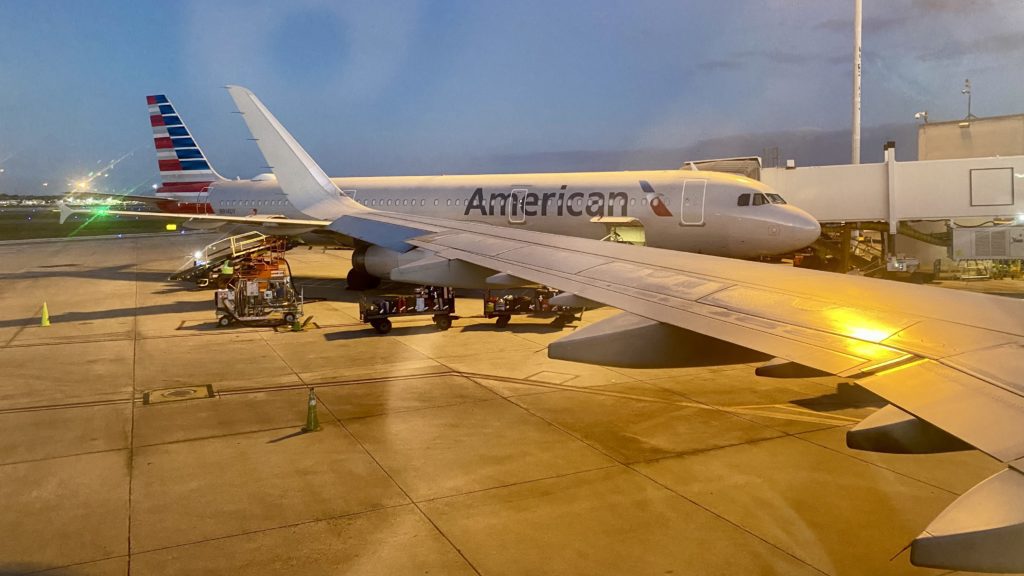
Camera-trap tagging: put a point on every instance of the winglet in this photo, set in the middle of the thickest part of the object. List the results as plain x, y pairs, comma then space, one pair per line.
307, 186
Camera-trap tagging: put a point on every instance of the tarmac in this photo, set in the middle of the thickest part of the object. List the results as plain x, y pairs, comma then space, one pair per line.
138, 437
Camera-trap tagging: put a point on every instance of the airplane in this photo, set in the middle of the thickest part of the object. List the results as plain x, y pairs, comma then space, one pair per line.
696, 211
949, 363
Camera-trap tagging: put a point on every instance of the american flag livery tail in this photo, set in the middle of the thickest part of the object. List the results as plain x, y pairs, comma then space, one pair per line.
185, 174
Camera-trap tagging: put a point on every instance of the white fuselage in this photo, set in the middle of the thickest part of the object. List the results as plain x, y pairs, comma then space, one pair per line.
678, 209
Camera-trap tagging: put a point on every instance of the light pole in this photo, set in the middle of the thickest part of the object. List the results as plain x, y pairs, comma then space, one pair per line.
855, 144
967, 90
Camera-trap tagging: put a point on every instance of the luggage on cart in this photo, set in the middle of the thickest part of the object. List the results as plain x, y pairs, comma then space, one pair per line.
534, 302
438, 302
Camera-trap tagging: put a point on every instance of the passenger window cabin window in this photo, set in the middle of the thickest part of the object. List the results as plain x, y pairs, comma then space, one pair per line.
743, 200
436, 201
448, 202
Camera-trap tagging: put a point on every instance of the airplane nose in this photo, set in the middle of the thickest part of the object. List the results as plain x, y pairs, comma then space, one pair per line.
799, 229
804, 228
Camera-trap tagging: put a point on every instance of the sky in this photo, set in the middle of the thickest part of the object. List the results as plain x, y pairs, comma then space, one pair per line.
410, 87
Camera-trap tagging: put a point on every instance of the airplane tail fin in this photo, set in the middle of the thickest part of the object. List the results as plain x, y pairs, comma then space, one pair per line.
184, 169
307, 186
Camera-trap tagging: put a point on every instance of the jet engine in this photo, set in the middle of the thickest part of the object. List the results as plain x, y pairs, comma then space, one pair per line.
371, 263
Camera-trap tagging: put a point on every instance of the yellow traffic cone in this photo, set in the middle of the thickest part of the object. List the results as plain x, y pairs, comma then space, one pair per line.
46, 316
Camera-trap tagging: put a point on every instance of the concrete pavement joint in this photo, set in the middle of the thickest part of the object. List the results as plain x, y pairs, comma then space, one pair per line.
404, 492
131, 422
729, 521
855, 456
61, 457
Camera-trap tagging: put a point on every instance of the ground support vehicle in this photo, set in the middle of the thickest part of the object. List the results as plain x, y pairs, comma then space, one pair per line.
259, 290
534, 302
438, 302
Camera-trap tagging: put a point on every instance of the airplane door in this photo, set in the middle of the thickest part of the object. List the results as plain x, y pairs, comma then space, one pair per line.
692, 213
516, 208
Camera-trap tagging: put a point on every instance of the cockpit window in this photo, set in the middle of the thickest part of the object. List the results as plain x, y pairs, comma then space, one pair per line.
776, 199
759, 199
743, 200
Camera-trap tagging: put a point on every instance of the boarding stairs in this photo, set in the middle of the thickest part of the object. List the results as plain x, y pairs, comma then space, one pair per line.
233, 248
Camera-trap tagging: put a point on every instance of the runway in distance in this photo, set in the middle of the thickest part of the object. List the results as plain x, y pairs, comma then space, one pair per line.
948, 362
695, 211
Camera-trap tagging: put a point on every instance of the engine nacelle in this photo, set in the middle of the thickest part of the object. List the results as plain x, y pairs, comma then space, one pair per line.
379, 262
420, 266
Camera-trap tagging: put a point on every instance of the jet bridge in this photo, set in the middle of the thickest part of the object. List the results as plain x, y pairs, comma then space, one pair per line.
910, 203
895, 192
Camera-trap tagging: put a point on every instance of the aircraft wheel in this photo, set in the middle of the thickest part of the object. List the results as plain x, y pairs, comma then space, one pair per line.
382, 326
503, 321
359, 280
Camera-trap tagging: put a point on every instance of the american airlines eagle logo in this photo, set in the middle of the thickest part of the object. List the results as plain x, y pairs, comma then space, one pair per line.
655, 199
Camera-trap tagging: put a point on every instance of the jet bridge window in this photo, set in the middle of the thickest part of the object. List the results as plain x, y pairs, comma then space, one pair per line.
743, 200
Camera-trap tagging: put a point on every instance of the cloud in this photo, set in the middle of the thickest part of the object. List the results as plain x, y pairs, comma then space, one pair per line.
872, 23
998, 45
716, 65
954, 6
742, 59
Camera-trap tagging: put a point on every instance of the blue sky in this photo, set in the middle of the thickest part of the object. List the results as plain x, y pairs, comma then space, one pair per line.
424, 87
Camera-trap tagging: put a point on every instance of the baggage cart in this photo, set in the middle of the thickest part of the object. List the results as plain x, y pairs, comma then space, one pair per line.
435, 301
534, 302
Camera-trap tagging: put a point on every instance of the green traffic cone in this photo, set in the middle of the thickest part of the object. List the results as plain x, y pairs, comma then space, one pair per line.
312, 422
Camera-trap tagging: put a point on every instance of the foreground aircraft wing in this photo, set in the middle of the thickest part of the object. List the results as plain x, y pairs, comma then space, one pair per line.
950, 363
280, 224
